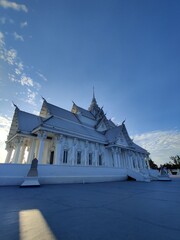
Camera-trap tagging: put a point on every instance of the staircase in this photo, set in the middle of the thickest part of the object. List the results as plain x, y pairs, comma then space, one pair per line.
140, 176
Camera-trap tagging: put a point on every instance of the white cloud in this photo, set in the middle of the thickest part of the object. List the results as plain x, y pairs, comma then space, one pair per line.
160, 144
4, 20
24, 24
10, 56
26, 81
42, 76
13, 5
17, 72
114, 120
18, 37
2, 43
5, 123
31, 97
12, 77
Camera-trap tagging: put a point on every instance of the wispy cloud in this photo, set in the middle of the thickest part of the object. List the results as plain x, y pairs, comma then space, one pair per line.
26, 81
161, 144
2, 42
13, 5
31, 97
17, 73
18, 37
11, 56
23, 24
4, 20
42, 76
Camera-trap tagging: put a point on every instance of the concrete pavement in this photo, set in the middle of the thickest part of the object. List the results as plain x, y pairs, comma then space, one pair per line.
120, 211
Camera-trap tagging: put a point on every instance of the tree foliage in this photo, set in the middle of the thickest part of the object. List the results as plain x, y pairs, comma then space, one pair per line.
176, 161
152, 164
174, 164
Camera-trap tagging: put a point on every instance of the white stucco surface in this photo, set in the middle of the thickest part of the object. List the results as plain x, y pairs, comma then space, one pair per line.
14, 174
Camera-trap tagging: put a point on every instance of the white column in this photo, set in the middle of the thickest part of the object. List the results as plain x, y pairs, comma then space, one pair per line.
9, 149
85, 152
140, 161
119, 158
127, 160
130, 163
22, 151
146, 159
31, 154
143, 161
46, 153
73, 157
42, 137
17, 149
114, 157
58, 150
123, 159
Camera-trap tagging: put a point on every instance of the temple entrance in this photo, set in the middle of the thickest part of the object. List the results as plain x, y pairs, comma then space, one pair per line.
51, 157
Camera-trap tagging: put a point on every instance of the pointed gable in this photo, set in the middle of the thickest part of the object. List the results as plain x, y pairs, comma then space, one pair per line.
78, 110
23, 122
44, 109
126, 135
49, 109
14, 124
115, 136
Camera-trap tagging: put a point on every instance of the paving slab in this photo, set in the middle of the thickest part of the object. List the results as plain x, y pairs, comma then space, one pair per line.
118, 211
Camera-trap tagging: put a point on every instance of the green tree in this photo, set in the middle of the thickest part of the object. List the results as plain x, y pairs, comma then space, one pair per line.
152, 164
176, 161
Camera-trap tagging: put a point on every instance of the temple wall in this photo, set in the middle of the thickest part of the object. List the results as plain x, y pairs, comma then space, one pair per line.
51, 151
14, 174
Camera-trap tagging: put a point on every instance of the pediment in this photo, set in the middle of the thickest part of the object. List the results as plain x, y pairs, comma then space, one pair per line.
101, 127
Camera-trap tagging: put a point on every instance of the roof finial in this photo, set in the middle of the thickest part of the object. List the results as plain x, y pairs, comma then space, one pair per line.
123, 122
93, 93
15, 105
43, 98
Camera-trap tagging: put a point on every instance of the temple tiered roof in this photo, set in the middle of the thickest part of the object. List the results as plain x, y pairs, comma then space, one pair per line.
90, 125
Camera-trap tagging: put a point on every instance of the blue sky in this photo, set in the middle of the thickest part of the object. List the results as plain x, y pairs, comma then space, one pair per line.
127, 49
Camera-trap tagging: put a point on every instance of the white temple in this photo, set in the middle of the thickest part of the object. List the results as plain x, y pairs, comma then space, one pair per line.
76, 138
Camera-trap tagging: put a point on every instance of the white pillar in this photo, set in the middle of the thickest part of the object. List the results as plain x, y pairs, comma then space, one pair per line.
58, 150
21, 154
31, 154
140, 161
17, 149
146, 158
42, 137
144, 162
73, 157
85, 153
127, 158
119, 158
123, 159
9, 149
130, 163
114, 157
